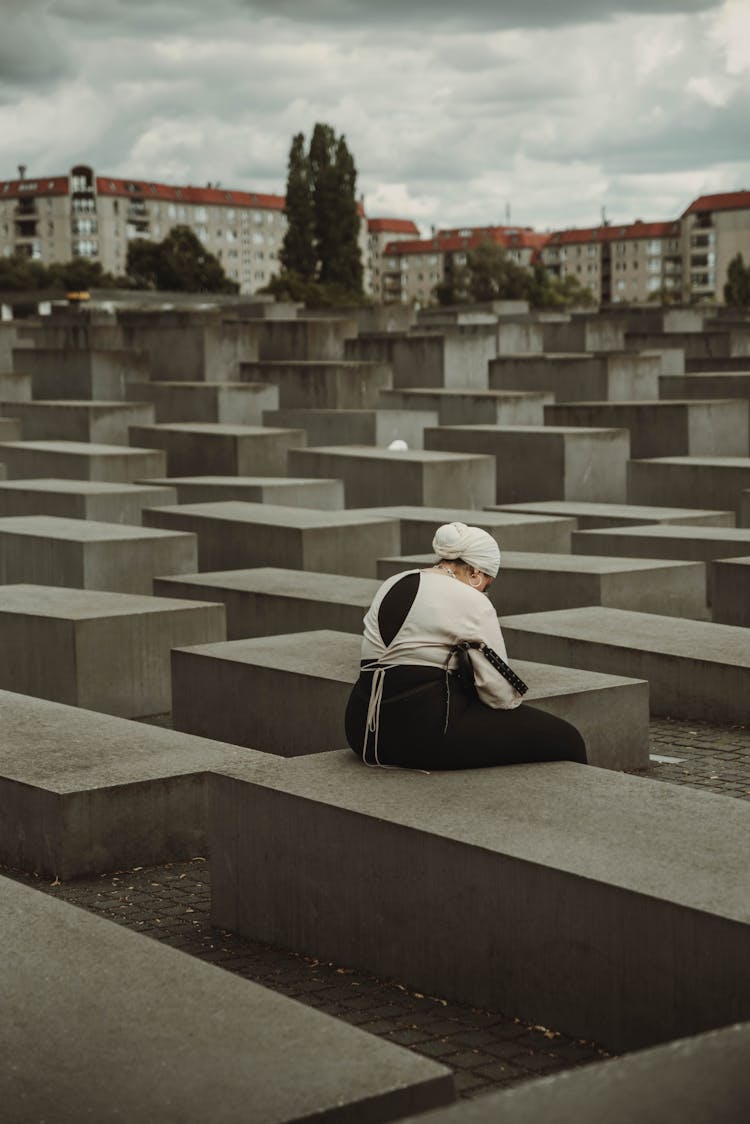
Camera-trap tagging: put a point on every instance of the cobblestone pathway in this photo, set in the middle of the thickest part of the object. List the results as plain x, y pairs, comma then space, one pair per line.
485, 1049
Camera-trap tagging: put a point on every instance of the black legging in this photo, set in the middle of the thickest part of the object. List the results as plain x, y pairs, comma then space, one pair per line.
412, 731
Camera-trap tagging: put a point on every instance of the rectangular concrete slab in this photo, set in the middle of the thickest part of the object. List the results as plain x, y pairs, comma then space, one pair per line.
249, 1054
268, 600
76, 460
82, 499
384, 476
356, 427
323, 385
10, 428
197, 448
82, 793
80, 372
607, 906
729, 586
225, 403
665, 429
15, 386
706, 384
103, 423
237, 535
695, 669
459, 406
689, 1081
592, 515
103, 651
212, 685
709, 482
545, 462
664, 540
573, 377
86, 554
510, 531
290, 491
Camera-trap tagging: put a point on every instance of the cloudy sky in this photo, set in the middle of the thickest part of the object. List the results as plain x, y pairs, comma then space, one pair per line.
453, 109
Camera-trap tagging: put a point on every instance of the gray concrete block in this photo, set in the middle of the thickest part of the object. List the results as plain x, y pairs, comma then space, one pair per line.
188, 344
689, 1081
709, 482
238, 535
15, 386
457, 406
223, 403
383, 476
267, 600
585, 333
102, 651
660, 540
238, 691
707, 384
356, 427
545, 462
10, 429
82, 499
453, 358
74, 460
573, 378
590, 515
82, 793
695, 669
729, 585
213, 1047
608, 906
101, 423
93, 373
288, 491
743, 517
196, 448
312, 338
86, 554
511, 531
657, 428
345, 385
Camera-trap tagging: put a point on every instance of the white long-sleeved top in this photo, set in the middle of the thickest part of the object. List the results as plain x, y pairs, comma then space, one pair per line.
444, 611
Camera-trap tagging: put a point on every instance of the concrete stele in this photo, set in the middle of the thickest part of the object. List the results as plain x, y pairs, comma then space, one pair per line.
76, 460
82, 499
290, 491
593, 515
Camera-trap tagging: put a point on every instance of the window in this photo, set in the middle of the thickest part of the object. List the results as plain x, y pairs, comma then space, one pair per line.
258, 238
172, 211
200, 214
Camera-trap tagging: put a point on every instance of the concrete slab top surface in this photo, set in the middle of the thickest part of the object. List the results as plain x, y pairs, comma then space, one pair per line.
471, 516
273, 515
467, 392
78, 530
652, 839
67, 749
304, 584
66, 603
369, 452
237, 481
79, 448
646, 403
584, 563
541, 430
674, 532
80, 487
331, 655
216, 429
212, 1046
623, 510
78, 403
713, 462
701, 641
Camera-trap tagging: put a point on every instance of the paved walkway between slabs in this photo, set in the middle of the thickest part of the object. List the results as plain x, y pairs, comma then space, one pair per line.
486, 1049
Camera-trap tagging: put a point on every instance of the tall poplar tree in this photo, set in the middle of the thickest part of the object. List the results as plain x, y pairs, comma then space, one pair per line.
298, 248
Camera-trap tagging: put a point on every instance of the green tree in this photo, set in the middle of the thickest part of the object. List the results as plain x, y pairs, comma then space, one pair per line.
491, 274
179, 263
298, 254
321, 247
737, 287
19, 274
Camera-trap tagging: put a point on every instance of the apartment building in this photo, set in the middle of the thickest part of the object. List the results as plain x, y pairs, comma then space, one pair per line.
58, 218
714, 229
381, 233
412, 268
620, 264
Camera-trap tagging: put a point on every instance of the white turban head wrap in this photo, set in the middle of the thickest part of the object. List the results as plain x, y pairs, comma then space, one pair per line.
472, 544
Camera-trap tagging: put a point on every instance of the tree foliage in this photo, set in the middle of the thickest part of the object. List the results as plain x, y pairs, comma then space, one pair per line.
179, 263
321, 246
20, 274
737, 287
491, 274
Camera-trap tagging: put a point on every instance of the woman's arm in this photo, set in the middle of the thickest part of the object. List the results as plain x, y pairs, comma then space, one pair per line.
493, 688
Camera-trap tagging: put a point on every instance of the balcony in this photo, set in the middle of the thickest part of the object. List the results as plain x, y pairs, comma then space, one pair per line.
25, 208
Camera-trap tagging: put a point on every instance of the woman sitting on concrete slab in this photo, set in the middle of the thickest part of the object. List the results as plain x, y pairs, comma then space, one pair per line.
434, 691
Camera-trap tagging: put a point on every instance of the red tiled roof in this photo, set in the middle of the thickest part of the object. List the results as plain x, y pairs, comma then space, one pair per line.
392, 226
614, 233
451, 241
728, 201
138, 189
48, 185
